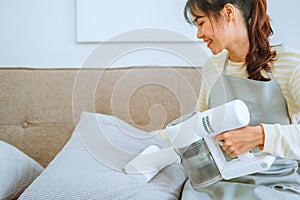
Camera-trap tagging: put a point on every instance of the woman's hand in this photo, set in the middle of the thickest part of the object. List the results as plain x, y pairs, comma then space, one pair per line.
242, 140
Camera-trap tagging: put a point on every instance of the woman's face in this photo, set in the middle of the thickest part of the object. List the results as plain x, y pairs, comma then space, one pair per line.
212, 30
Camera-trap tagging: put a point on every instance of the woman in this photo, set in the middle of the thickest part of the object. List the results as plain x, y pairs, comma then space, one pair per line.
244, 66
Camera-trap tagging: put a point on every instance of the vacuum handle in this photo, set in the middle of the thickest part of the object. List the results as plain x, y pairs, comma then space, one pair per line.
246, 156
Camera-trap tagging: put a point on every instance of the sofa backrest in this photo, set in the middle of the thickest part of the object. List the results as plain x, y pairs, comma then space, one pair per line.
40, 107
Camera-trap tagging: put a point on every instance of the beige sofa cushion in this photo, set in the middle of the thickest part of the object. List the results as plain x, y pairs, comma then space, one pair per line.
39, 108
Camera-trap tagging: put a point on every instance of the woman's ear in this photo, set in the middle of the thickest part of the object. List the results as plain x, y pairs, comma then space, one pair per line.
229, 11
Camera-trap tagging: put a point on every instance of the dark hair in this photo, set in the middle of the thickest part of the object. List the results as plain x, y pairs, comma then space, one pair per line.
260, 55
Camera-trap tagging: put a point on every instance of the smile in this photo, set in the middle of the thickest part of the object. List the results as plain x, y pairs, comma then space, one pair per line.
208, 42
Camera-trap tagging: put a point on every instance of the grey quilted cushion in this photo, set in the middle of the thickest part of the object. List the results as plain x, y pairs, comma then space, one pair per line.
17, 171
75, 173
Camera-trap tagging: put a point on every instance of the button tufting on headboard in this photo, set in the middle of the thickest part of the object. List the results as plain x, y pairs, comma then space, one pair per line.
25, 124
40, 108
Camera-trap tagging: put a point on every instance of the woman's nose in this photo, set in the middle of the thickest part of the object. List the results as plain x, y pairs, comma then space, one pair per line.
199, 33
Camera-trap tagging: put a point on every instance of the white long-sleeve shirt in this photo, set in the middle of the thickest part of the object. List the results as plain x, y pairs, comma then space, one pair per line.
280, 140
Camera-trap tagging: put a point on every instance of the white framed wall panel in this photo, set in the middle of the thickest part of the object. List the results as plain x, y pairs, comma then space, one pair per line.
101, 20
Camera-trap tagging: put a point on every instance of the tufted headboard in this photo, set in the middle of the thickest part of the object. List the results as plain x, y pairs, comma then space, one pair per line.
40, 107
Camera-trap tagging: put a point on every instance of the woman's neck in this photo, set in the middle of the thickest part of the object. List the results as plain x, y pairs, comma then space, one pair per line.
238, 51
239, 45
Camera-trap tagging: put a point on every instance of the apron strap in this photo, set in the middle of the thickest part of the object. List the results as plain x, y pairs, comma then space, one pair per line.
270, 75
225, 65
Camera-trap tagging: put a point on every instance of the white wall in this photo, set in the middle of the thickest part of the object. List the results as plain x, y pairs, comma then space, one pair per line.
42, 33
285, 17
94, 16
38, 33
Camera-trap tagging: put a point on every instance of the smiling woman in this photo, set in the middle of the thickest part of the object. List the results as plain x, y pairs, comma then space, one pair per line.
224, 26
245, 66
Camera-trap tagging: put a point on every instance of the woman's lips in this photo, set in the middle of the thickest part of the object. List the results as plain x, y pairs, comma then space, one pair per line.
209, 42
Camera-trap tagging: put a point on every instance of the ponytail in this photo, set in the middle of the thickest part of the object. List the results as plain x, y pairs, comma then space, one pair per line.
260, 55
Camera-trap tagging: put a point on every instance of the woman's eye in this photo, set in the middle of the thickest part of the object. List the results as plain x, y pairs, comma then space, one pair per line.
198, 24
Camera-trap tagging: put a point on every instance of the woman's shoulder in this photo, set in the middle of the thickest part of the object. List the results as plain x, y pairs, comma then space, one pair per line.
287, 53
287, 61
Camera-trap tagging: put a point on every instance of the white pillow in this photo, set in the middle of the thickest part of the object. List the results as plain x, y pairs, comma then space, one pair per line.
17, 171
76, 173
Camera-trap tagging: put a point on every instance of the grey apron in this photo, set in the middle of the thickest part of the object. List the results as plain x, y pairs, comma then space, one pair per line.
266, 104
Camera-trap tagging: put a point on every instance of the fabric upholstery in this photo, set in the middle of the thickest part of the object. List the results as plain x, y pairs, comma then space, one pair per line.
17, 171
79, 173
40, 107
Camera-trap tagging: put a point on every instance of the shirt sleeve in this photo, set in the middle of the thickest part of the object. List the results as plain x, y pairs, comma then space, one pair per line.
284, 140
294, 87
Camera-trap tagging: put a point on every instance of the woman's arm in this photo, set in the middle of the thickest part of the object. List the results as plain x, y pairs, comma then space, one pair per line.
279, 140
284, 140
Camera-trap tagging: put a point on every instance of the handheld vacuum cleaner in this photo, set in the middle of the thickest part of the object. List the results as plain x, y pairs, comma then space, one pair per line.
202, 157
